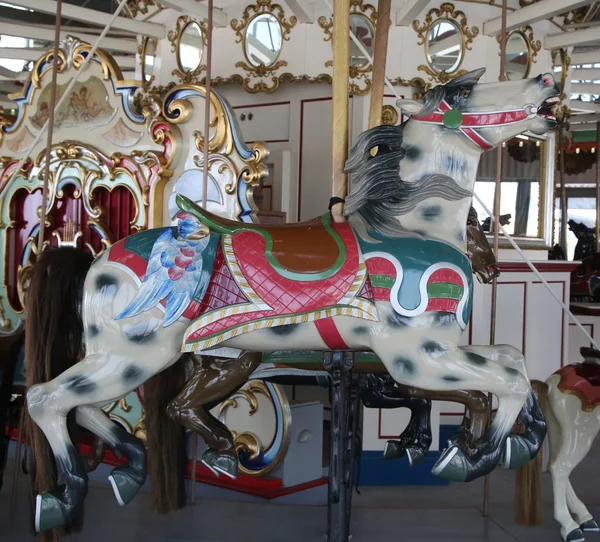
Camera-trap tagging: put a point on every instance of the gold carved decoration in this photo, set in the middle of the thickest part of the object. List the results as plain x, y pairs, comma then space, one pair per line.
135, 7
447, 12
565, 63
142, 50
533, 46
356, 7
248, 442
389, 115
174, 36
262, 70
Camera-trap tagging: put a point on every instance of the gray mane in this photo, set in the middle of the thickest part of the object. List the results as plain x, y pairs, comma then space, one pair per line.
377, 194
434, 96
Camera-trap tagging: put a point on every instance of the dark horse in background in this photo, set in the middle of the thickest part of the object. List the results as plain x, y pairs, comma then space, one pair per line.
585, 282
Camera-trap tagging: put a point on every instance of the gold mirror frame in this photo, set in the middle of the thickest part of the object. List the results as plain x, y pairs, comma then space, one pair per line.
174, 36
142, 51
261, 71
357, 71
448, 12
533, 46
254, 17
565, 63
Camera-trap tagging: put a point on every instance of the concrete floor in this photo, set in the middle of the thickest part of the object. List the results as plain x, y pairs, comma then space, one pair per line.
380, 514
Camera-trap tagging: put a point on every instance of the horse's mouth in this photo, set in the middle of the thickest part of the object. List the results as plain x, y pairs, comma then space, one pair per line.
546, 110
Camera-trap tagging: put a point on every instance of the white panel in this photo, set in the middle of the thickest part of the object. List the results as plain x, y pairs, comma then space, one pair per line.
577, 339
510, 301
268, 122
544, 331
315, 181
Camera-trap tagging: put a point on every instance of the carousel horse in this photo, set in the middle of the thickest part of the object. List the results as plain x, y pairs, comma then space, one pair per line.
585, 283
393, 279
570, 399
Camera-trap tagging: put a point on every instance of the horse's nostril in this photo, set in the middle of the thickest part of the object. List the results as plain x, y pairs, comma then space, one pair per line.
548, 79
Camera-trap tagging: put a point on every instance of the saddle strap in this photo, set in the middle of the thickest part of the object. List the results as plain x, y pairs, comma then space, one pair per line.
330, 334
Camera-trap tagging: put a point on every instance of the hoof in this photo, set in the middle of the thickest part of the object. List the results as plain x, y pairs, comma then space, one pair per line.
48, 512
226, 465
590, 526
208, 459
393, 450
575, 536
451, 465
516, 453
124, 486
415, 456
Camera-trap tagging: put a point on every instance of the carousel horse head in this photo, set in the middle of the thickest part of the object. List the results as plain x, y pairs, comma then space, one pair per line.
481, 254
487, 114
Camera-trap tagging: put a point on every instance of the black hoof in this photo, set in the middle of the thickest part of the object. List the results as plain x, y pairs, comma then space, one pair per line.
393, 450
575, 536
590, 526
415, 456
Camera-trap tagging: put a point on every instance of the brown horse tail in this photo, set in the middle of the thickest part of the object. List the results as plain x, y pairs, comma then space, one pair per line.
53, 338
528, 486
165, 439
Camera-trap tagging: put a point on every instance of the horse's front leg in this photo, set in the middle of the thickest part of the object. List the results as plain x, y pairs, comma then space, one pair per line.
213, 380
381, 391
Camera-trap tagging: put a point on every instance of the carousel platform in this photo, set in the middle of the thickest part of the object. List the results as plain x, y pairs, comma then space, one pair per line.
382, 514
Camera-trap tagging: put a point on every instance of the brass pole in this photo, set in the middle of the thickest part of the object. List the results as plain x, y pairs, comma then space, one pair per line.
340, 91
52, 105
379, 61
496, 230
598, 187
563, 189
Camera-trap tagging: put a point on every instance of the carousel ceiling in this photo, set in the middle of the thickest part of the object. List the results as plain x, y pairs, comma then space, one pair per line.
27, 29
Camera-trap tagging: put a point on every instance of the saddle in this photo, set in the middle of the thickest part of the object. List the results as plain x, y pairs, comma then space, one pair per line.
305, 247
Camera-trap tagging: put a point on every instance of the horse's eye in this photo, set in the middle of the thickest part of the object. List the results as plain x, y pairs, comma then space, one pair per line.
465, 93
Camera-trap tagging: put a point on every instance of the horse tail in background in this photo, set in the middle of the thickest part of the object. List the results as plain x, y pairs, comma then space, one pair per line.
165, 439
528, 485
53, 340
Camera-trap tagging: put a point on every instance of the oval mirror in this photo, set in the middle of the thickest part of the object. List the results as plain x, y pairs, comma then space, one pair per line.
190, 47
517, 58
363, 29
445, 46
263, 40
148, 60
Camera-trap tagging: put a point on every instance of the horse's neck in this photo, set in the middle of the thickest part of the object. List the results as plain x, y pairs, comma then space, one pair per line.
437, 218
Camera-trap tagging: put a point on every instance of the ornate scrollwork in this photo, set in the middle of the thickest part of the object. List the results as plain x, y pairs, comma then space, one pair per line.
286, 77
565, 63
389, 115
416, 83
174, 36
446, 11
135, 7
263, 6
533, 46
356, 7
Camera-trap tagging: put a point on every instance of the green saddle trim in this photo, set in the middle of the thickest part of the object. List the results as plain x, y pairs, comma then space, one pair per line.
187, 205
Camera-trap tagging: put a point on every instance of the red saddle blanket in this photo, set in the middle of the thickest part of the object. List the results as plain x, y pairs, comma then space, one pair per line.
248, 291
582, 380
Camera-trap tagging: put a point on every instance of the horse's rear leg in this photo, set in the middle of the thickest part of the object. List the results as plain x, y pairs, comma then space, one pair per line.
126, 480
212, 381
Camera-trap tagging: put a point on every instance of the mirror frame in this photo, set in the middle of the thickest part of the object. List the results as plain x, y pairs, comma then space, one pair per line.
565, 64
174, 36
533, 47
462, 45
257, 66
544, 239
448, 12
142, 51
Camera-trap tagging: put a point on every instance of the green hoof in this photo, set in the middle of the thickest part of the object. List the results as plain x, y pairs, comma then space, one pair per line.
516, 453
451, 465
226, 465
415, 456
208, 460
590, 526
393, 450
575, 536
124, 486
48, 512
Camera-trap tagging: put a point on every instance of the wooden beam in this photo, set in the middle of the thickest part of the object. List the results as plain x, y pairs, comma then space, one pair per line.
22, 53
579, 105
585, 74
588, 117
196, 9
303, 13
24, 31
10, 75
409, 11
564, 39
589, 127
585, 88
93, 16
591, 57
532, 13
340, 105
379, 60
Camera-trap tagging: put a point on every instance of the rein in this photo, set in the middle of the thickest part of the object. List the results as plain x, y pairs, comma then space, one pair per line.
467, 123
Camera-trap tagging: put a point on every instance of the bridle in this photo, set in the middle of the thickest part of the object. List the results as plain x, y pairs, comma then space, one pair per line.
467, 123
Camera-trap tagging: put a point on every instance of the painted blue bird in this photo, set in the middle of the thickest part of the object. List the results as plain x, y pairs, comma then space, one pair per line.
174, 270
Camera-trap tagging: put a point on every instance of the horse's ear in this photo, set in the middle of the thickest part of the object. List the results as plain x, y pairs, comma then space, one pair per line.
410, 107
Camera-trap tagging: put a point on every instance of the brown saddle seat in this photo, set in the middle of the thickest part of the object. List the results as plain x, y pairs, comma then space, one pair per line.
303, 247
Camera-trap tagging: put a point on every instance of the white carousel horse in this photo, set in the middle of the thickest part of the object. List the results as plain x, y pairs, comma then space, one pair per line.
394, 279
570, 399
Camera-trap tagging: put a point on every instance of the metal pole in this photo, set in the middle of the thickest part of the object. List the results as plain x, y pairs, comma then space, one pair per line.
55, 59
598, 187
563, 189
340, 91
496, 230
379, 61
